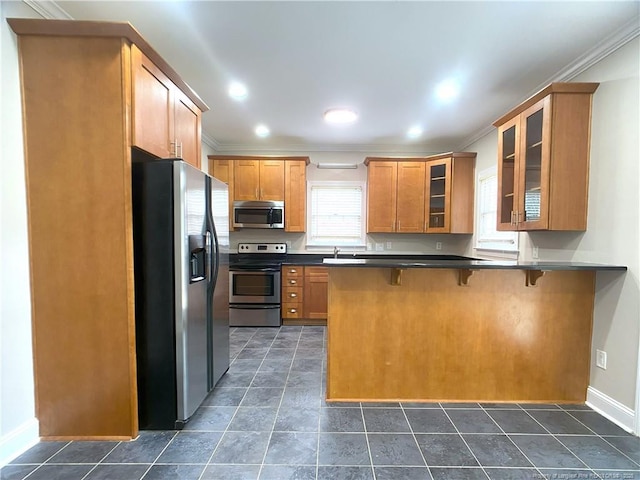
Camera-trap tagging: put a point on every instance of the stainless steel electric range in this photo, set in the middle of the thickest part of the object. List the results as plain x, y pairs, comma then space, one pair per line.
254, 285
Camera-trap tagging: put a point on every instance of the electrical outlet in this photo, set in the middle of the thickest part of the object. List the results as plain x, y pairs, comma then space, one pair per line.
389, 245
379, 247
369, 246
288, 242
534, 253
601, 359
438, 245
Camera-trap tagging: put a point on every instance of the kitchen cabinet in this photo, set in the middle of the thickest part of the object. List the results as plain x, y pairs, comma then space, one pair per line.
382, 180
267, 178
259, 180
410, 197
166, 123
421, 195
292, 291
304, 295
316, 283
295, 196
449, 193
543, 160
223, 170
78, 100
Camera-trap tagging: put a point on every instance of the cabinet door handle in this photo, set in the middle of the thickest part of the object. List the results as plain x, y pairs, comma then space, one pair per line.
173, 148
512, 222
293, 282
257, 197
261, 193
520, 215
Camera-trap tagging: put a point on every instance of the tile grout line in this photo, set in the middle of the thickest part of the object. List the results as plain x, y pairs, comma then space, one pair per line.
465, 442
236, 410
512, 442
604, 439
415, 439
47, 459
366, 436
266, 450
99, 461
175, 434
553, 435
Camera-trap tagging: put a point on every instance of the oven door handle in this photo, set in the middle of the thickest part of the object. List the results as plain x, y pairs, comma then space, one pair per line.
253, 307
252, 270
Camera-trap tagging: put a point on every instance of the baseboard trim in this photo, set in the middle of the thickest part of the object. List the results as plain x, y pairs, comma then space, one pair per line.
618, 413
18, 441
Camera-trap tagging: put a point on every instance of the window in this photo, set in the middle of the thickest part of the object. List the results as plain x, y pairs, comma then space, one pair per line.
336, 214
488, 238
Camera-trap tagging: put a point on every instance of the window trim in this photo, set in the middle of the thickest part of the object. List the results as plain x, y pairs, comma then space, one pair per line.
363, 212
494, 247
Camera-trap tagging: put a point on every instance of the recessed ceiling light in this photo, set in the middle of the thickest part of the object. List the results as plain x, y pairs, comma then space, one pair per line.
414, 132
238, 91
447, 90
262, 131
340, 116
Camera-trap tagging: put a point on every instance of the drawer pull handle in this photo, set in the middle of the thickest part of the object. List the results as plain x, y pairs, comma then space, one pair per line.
292, 282
293, 270
293, 295
292, 310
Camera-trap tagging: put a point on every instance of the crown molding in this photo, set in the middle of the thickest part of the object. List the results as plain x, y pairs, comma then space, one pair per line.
303, 148
210, 141
48, 9
603, 49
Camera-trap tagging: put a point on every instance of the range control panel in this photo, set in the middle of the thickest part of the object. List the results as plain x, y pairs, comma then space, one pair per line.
262, 248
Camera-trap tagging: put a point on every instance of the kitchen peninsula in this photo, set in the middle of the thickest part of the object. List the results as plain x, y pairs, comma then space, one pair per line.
463, 330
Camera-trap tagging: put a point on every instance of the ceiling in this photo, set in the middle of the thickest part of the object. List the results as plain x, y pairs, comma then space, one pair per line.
383, 59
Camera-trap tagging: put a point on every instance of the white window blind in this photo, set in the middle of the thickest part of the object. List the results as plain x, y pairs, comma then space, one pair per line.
336, 214
488, 238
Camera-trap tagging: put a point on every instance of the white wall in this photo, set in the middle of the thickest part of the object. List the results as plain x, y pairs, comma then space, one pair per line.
18, 426
400, 243
612, 235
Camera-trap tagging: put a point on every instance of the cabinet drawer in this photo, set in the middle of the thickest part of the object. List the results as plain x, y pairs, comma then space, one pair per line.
318, 272
293, 281
292, 294
292, 271
291, 310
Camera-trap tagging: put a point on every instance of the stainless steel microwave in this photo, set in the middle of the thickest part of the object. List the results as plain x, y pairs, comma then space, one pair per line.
258, 214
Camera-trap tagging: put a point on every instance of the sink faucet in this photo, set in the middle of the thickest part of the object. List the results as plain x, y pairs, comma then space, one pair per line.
335, 252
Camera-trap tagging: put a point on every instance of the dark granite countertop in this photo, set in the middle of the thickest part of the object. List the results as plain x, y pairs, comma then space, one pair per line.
318, 258
373, 260
468, 264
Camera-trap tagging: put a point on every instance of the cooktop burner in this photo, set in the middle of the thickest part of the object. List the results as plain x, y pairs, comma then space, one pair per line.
259, 256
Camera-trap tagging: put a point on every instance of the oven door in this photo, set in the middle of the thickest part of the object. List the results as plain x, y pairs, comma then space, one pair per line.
259, 286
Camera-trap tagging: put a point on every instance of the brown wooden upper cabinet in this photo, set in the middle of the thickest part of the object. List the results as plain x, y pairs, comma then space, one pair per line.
262, 178
543, 160
259, 180
421, 195
166, 123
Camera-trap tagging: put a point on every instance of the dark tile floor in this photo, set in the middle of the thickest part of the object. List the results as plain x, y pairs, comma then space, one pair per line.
267, 419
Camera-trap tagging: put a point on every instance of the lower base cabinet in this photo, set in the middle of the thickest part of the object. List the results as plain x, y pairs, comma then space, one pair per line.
304, 295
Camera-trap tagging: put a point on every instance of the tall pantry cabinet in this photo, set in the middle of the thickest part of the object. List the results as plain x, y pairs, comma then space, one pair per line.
78, 97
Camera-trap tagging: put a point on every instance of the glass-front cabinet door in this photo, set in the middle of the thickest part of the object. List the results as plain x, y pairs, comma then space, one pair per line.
523, 169
438, 196
532, 212
508, 136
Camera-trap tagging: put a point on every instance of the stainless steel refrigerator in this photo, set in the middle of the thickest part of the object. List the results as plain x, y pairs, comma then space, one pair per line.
181, 246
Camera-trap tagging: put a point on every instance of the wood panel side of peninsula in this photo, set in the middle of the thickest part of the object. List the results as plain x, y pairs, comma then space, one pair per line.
430, 339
